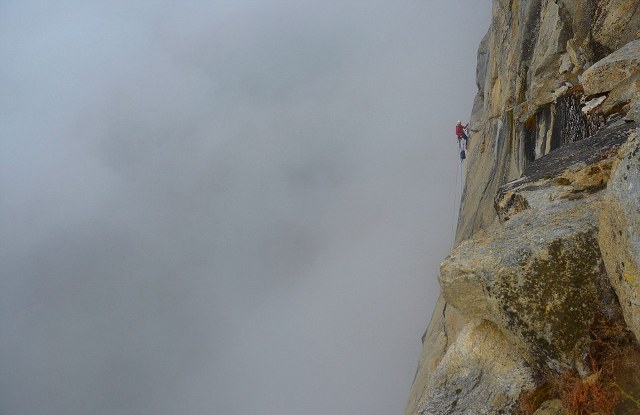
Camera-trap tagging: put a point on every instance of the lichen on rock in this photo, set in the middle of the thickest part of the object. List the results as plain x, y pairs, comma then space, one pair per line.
613, 69
481, 373
538, 277
620, 231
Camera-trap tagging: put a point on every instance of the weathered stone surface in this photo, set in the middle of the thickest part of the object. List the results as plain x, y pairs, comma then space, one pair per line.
523, 57
587, 151
477, 113
482, 62
543, 285
608, 72
592, 104
520, 112
553, 407
481, 373
620, 231
578, 168
589, 179
529, 37
622, 95
582, 15
600, 27
446, 323
498, 163
540, 275
577, 55
553, 33
510, 205
616, 23
634, 111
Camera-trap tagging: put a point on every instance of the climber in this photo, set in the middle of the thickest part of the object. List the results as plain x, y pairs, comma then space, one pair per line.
461, 133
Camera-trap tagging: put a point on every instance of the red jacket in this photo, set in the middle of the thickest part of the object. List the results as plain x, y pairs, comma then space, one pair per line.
460, 129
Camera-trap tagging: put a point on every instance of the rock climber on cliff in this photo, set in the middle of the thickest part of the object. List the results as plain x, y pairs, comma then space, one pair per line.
461, 133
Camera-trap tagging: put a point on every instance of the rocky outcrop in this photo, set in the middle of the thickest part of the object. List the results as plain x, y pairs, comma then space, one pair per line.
539, 275
612, 70
541, 295
529, 101
443, 330
615, 23
634, 111
480, 372
542, 288
619, 234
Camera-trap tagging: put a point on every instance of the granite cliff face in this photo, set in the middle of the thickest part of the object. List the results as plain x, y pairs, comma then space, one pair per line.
540, 303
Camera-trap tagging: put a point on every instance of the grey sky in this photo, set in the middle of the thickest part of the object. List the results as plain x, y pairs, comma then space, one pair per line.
225, 207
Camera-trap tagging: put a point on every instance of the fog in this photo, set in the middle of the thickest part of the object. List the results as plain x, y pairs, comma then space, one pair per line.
225, 207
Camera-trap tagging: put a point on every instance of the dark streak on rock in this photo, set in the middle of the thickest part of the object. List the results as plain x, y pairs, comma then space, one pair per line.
587, 151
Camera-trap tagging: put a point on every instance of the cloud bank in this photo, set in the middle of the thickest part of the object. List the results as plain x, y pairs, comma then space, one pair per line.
225, 207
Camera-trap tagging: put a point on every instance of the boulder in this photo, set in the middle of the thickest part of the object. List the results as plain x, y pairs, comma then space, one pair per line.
541, 284
608, 72
619, 235
577, 55
446, 323
616, 23
539, 275
481, 373
592, 104
552, 407
634, 111
622, 95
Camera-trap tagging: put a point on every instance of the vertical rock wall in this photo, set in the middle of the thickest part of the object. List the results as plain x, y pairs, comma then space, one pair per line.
547, 246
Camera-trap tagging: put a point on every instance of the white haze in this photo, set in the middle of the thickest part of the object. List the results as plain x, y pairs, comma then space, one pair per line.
225, 207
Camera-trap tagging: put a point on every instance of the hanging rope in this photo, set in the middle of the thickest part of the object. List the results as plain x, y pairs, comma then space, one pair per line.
455, 200
458, 190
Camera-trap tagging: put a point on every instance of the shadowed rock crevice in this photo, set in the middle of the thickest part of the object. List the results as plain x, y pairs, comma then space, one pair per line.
570, 124
587, 151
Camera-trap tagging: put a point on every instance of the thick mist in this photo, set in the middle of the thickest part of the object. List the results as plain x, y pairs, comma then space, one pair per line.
225, 207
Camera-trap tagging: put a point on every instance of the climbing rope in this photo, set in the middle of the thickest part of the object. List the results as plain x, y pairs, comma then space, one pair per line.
457, 193
455, 200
